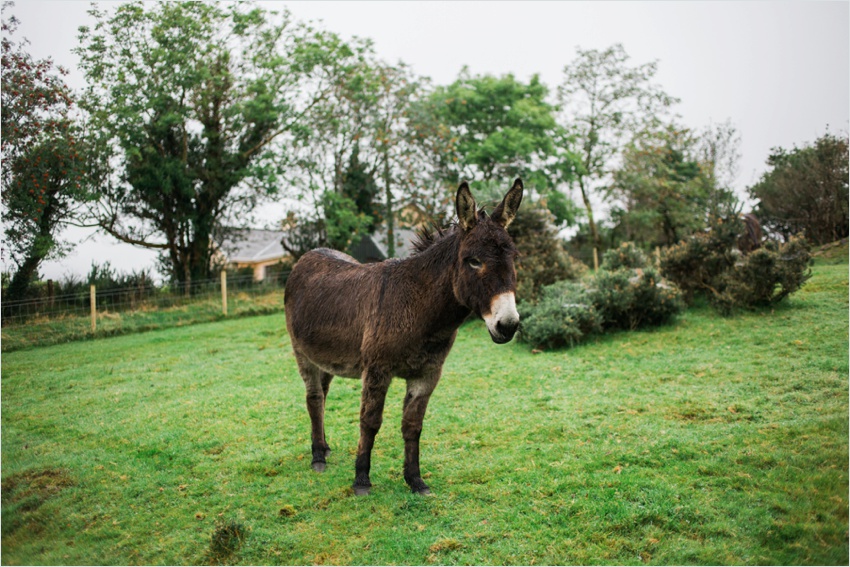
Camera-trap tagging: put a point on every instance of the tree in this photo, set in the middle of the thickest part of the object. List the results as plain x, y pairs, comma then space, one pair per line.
806, 190
192, 104
43, 160
501, 127
367, 113
542, 257
604, 102
358, 184
663, 191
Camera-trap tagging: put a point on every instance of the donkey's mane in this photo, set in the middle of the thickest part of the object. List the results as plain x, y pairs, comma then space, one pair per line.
428, 236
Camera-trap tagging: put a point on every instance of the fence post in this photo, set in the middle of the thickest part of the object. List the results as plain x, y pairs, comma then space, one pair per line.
224, 292
50, 293
93, 296
595, 260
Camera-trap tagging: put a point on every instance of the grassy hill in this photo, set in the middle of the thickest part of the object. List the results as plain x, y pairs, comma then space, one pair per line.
710, 441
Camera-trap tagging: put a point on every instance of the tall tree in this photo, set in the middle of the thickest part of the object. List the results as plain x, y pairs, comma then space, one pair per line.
718, 151
806, 190
367, 112
192, 104
502, 126
604, 102
43, 163
662, 191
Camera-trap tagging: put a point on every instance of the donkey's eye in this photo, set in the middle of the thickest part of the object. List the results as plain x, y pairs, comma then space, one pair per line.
474, 263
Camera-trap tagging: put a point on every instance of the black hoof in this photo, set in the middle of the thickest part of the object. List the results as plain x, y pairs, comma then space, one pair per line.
418, 486
319, 466
362, 490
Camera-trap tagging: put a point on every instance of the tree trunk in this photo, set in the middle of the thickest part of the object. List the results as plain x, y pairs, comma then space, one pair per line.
23, 277
591, 223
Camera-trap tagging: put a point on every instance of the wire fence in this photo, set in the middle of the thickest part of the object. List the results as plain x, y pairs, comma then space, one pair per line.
90, 312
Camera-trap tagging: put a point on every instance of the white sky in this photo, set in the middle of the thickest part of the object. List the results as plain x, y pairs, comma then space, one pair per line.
779, 70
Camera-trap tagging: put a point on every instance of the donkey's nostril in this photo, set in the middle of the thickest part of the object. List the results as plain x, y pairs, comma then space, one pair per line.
507, 328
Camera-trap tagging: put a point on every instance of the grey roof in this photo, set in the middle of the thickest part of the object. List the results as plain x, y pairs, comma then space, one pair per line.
254, 245
404, 239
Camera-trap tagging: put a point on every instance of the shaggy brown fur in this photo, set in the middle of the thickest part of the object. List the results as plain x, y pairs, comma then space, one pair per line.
397, 318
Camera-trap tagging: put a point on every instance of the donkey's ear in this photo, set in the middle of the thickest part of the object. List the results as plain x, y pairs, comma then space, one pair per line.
505, 213
467, 214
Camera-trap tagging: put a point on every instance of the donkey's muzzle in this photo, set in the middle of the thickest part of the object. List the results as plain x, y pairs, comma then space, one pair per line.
504, 332
503, 319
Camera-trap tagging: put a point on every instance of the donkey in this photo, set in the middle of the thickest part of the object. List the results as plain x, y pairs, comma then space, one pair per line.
399, 318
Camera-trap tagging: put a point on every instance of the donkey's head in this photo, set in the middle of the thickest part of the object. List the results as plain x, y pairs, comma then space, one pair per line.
485, 277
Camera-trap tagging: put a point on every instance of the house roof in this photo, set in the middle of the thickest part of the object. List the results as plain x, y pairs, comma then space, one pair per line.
373, 247
254, 245
251, 246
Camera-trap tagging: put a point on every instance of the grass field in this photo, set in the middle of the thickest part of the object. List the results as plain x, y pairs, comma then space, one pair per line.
52, 329
709, 441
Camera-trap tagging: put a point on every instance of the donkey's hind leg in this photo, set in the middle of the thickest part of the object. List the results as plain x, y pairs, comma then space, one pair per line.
317, 382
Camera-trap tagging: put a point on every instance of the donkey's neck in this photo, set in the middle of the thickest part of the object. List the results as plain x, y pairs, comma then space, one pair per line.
432, 271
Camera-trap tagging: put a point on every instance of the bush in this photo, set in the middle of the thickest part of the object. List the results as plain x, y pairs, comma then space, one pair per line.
542, 257
566, 313
632, 299
563, 316
708, 264
627, 255
766, 276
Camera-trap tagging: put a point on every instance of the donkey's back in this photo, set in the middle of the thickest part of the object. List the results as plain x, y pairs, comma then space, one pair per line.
327, 298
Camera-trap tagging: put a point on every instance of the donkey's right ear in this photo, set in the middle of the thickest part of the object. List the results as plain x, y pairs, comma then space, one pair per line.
467, 213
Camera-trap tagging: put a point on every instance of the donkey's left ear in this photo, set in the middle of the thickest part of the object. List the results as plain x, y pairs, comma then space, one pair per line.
505, 213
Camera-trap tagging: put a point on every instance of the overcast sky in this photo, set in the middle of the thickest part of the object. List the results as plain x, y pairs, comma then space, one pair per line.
780, 71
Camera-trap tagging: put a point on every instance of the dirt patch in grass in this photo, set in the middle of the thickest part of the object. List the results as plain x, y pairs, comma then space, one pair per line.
226, 539
43, 483
25, 492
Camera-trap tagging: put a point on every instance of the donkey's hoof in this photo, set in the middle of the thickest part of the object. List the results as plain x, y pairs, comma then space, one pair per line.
319, 466
418, 486
362, 490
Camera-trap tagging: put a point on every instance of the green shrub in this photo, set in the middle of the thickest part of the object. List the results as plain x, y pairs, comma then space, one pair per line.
542, 257
631, 299
563, 316
708, 264
765, 277
627, 255
566, 313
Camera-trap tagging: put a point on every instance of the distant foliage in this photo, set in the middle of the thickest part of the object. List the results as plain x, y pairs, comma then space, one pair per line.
806, 191
543, 259
628, 255
707, 264
625, 294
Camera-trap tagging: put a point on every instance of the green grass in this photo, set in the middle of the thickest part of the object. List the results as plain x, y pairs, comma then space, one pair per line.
52, 329
709, 441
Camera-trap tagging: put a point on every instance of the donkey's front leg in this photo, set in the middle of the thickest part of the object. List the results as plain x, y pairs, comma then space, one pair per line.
376, 382
415, 403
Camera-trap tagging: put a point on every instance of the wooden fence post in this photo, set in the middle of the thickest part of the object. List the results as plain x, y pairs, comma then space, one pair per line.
224, 292
93, 296
51, 294
595, 260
